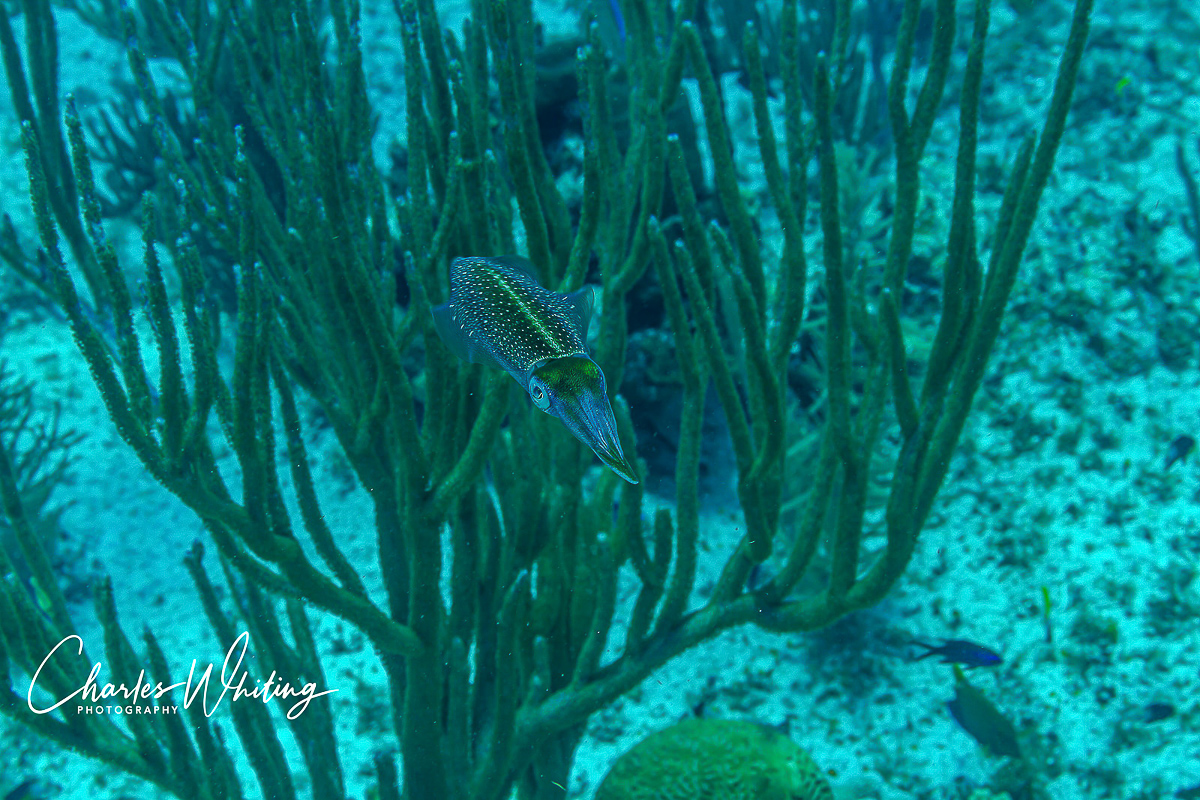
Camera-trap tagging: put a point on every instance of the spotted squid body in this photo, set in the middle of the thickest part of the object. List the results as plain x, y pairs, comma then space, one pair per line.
498, 314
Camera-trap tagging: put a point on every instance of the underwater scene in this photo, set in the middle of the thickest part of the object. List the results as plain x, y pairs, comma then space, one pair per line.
599, 399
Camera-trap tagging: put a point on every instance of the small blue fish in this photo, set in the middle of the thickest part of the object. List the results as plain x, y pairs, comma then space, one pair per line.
961, 651
499, 315
1157, 712
1179, 449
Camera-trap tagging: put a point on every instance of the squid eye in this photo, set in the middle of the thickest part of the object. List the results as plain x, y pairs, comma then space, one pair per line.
541, 397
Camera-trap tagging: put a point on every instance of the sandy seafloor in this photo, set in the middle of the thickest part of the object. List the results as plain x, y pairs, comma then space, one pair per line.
1059, 482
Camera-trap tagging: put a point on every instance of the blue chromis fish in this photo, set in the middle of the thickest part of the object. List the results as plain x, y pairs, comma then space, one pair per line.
499, 315
1179, 449
1157, 712
961, 651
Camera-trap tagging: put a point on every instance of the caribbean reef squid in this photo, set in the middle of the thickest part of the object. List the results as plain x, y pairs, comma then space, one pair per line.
498, 314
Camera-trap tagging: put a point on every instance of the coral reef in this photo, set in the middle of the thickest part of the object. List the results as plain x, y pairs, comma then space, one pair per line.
711, 759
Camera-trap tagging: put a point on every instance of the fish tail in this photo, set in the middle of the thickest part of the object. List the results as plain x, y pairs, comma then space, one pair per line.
929, 650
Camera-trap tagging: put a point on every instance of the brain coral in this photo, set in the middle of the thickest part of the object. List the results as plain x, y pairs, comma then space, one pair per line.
712, 759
